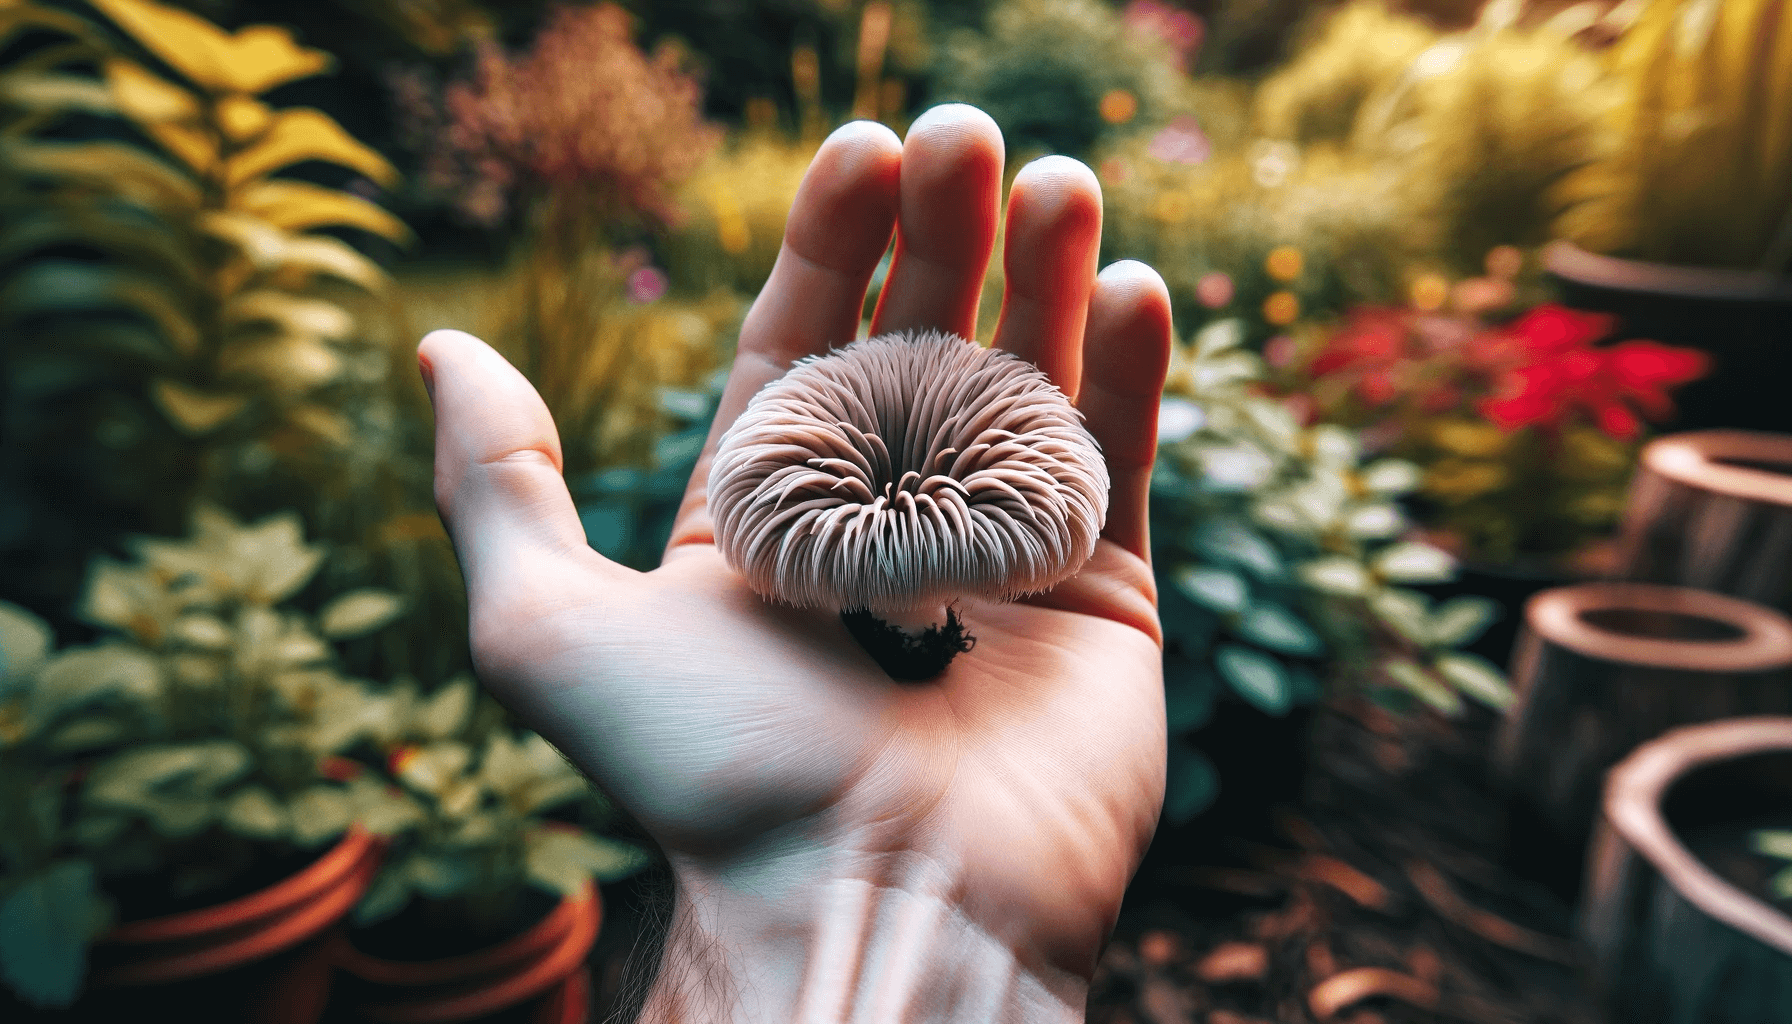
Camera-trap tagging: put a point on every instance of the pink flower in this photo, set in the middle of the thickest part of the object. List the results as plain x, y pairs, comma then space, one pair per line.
646, 284
1180, 142
1178, 28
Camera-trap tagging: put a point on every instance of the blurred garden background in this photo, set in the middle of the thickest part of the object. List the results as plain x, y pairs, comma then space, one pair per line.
1440, 270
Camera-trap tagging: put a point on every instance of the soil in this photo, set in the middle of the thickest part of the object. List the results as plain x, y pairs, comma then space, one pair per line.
154, 894
434, 930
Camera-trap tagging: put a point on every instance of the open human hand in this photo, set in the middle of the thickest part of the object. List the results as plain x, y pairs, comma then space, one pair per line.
846, 847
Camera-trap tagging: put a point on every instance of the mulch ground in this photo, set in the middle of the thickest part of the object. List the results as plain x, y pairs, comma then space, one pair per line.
1381, 899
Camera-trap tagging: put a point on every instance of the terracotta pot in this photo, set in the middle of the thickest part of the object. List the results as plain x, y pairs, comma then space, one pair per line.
1602, 667
203, 942
540, 961
1713, 509
1674, 942
1743, 319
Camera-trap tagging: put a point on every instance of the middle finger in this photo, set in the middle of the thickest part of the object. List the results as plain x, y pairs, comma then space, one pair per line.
946, 228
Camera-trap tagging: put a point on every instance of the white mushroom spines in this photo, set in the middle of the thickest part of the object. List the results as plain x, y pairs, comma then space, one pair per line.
907, 470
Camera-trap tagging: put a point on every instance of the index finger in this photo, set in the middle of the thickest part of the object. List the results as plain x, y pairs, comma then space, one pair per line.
838, 229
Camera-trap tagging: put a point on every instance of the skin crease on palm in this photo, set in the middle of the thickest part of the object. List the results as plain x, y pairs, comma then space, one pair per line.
845, 847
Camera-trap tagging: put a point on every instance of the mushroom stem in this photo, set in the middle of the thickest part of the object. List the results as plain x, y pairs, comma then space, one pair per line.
909, 657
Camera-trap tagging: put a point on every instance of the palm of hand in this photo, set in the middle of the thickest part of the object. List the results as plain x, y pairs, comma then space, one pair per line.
1032, 769
744, 734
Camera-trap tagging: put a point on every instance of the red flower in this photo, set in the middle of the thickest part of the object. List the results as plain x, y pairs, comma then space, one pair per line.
1553, 328
1562, 374
338, 769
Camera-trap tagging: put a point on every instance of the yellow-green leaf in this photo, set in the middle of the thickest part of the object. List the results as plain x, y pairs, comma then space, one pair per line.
195, 147
40, 92
188, 43
148, 97
25, 642
252, 61
118, 168
323, 423
297, 258
297, 206
290, 365
194, 411
242, 117
78, 287
358, 612
292, 314
264, 56
303, 134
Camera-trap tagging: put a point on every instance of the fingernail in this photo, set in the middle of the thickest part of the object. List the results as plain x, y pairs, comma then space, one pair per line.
428, 374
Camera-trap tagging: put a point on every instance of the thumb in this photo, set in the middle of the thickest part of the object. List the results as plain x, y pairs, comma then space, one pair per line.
497, 470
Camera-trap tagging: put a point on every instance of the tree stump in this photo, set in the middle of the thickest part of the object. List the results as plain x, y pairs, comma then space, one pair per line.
1602, 667
1673, 941
1712, 509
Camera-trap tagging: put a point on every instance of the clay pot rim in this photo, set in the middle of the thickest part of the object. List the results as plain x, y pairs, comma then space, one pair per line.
1694, 458
531, 979
259, 937
1633, 795
1566, 260
531, 941
336, 864
1766, 643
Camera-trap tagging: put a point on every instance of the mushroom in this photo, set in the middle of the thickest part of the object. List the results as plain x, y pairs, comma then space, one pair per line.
903, 472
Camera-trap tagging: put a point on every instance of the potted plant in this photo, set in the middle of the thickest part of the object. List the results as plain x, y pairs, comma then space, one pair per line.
1713, 509
484, 901
165, 792
1686, 913
1603, 667
1686, 232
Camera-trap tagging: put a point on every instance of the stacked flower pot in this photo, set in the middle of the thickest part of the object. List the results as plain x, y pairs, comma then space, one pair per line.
1653, 732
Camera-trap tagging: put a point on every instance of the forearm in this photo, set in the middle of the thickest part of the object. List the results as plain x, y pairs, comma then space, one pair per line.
849, 952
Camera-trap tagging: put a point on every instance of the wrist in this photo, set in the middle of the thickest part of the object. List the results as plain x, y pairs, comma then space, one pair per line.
857, 948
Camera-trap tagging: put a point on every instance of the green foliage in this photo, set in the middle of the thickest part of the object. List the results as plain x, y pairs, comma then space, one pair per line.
196, 725
46, 922
1344, 216
1484, 126
1776, 843
1355, 55
469, 826
735, 207
1703, 172
161, 259
1280, 556
1042, 68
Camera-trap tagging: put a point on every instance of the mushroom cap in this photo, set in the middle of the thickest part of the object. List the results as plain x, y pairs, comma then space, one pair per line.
907, 470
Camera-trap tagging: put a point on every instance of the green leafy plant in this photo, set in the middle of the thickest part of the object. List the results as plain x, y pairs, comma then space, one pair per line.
217, 722
1282, 567
481, 789
182, 745
1776, 843
1527, 431
1482, 128
171, 298
1703, 171
1060, 76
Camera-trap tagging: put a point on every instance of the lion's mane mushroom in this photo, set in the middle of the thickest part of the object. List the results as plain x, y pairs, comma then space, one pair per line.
903, 472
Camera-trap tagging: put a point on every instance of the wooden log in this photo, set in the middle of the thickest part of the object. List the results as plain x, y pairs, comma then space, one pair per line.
1602, 667
1672, 941
1712, 509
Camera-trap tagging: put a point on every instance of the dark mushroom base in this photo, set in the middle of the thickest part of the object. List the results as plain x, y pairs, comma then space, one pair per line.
909, 657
